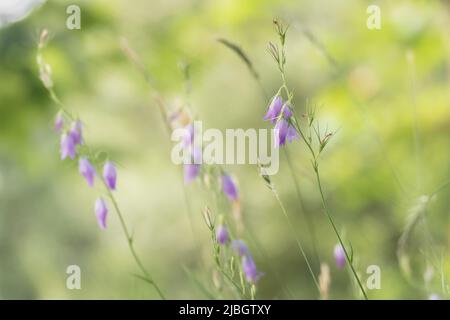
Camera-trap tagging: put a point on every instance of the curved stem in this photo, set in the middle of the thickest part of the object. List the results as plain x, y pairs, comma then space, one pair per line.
308, 219
147, 276
138, 261
327, 213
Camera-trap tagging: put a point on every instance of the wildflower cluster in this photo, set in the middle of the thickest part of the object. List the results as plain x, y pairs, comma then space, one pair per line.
226, 251
289, 124
71, 146
222, 184
280, 114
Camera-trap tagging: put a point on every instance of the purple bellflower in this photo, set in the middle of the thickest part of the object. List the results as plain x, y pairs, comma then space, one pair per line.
240, 247
191, 171
274, 109
229, 188
76, 132
249, 268
339, 256
222, 234
87, 170
110, 175
59, 122
67, 147
101, 212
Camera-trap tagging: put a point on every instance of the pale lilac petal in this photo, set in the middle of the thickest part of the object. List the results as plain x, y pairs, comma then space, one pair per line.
101, 212
287, 113
274, 109
229, 188
67, 147
339, 256
59, 122
110, 175
240, 247
87, 170
191, 171
281, 129
76, 132
249, 268
222, 234
292, 134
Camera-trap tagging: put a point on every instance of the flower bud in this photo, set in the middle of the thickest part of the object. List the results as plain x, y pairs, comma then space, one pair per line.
67, 147
222, 234
274, 109
240, 247
339, 256
229, 188
191, 171
101, 212
87, 170
76, 131
110, 175
59, 122
249, 268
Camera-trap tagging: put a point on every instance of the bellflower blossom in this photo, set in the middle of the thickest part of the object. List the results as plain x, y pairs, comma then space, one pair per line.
240, 247
249, 268
67, 147
59, 122
76, 132
339, 256
284, 130
87, 170
274, 109
229, 188
191, 171
222, 234
101, 212
110, 175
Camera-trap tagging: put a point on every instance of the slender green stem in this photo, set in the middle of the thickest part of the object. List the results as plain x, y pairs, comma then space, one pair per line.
327, 213
308, 219
130, 243
147, 276
289, 222
325, 208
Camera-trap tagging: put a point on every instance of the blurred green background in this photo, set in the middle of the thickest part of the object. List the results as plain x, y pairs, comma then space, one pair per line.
388, 93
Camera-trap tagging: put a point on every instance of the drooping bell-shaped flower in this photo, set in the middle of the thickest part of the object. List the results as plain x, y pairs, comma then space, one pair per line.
249, 268
339, 256
59, 122
191, 171
274, 109
292, 134
110, 175
87, 170
229, 188
222, 234
281, 130
240, 247
67, 147
101, 212
76, 131
287, 113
